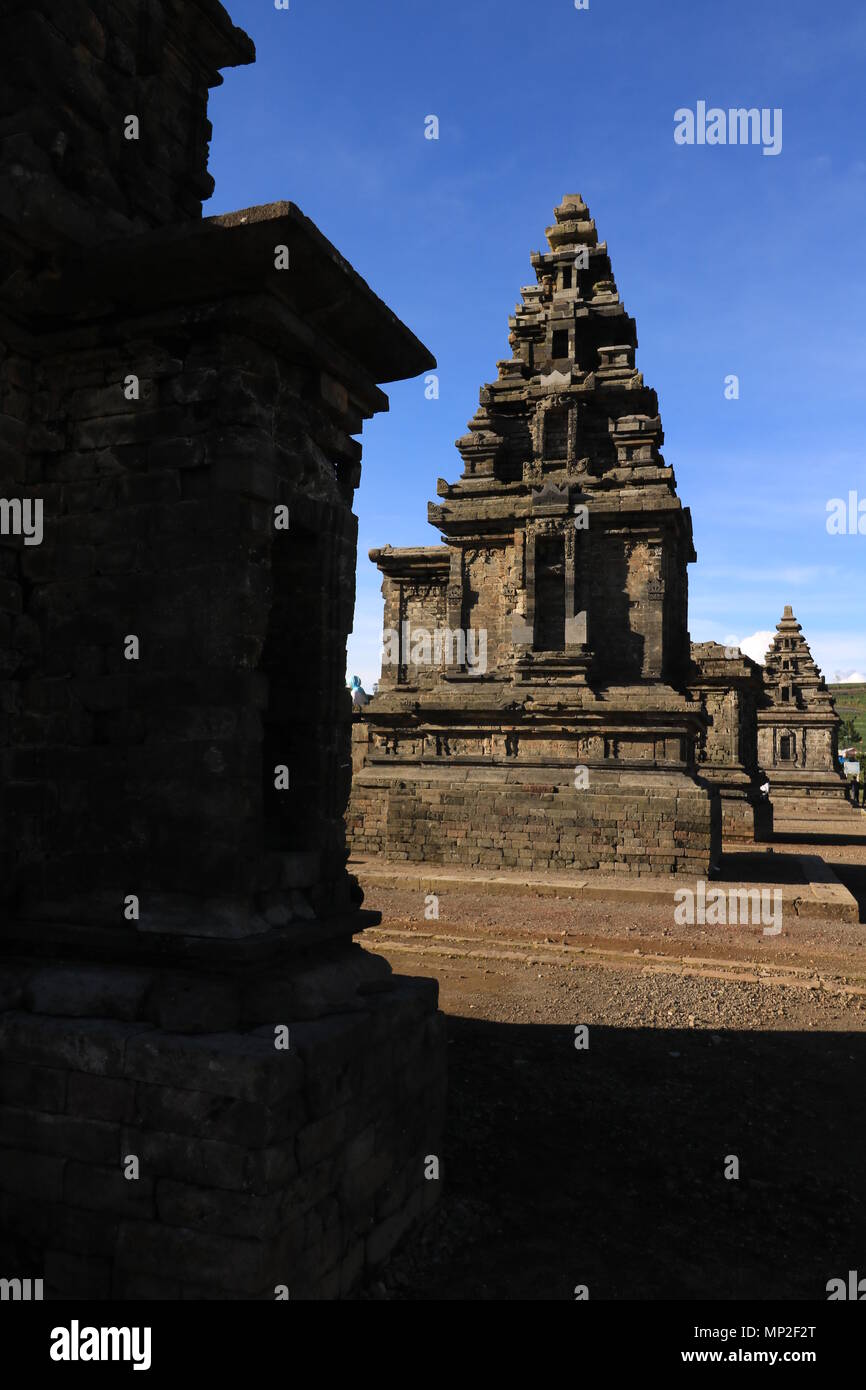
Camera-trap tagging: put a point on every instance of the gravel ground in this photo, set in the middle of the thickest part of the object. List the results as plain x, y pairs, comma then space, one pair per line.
605, 1166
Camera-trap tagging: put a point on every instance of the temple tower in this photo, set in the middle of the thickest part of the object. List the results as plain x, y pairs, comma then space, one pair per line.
730, 688
533, 707
181, 995
798, 727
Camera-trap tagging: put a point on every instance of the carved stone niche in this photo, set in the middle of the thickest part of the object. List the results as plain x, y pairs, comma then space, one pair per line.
447, 746
550, 500
555, 430
590, 748
418, 589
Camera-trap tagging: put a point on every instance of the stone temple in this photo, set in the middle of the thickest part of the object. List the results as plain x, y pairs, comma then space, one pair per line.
730, 687
798, 727
208, 1090
534, 708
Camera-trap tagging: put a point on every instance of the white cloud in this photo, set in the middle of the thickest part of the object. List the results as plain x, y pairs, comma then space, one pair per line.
756, 646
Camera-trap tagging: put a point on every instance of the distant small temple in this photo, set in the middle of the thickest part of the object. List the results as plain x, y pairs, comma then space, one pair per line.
730, 687
798, 727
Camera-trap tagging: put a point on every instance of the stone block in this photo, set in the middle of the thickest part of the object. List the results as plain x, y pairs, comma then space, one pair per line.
209, 1115
106, 1189
195, 1257
82, 1277
38, 1088
223, 1213
91, 1140
321, 1138
236, 1065
187, 1159
96, 1046
24, 1173
88, 992
190, 1004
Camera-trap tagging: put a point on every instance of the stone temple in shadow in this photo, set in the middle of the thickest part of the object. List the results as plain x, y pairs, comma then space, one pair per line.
538, 705
181, 396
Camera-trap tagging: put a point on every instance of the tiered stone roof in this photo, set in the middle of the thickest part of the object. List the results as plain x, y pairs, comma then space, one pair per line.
573, 344
789, 665
566, 550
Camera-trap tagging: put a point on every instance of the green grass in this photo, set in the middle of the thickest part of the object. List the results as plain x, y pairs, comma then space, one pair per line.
850, 701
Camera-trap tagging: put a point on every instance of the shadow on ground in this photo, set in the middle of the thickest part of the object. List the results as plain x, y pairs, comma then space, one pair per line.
854, 878
817, 838
760, 866
605, 1167
853, 875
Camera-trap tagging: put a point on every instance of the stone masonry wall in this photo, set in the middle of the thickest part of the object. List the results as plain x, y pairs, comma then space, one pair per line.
534, 820
145, 533
207, 1090
258, 1168
744, 821
76, 70
487, 572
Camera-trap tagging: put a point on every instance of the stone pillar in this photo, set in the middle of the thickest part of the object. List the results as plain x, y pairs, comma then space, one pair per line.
208, 1089
454, 607
523, 617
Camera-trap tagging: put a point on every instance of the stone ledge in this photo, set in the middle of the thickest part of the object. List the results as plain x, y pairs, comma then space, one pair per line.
820, 895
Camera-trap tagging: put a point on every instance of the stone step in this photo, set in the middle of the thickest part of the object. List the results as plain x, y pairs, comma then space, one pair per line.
820, 894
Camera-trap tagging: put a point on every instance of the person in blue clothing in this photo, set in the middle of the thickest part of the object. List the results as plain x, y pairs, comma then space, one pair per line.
359, 694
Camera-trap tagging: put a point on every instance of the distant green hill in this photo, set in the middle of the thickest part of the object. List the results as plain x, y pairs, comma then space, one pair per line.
850, 701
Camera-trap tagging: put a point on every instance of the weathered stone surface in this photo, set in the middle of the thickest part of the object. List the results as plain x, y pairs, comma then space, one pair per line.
186, 1003
100, 1097
92, 1141
87, 992
245, 1067
89, 1276
168, 910
76, 70
94, 1188
95, 1046
541, 702
24, 1173
44, 1088
730, 688
798, 727
209, 1115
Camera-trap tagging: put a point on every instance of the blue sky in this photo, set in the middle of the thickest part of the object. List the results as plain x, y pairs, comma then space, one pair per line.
731, 261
